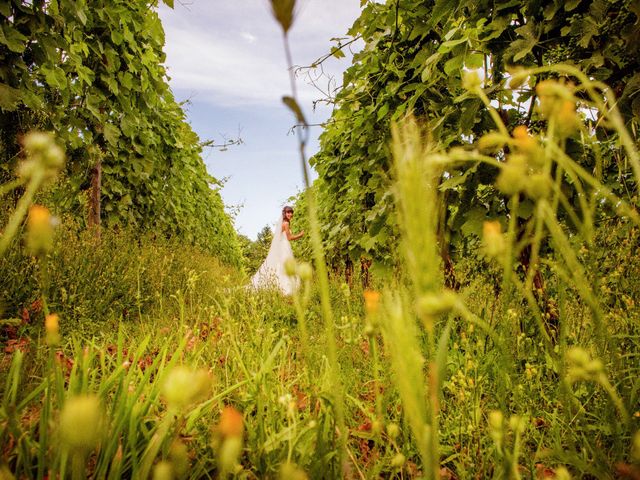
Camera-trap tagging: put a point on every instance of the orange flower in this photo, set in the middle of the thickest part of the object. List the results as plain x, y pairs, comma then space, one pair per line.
371, 301
52, 327
231, 423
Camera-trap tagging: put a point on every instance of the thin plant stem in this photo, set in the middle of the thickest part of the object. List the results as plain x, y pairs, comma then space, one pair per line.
322, 276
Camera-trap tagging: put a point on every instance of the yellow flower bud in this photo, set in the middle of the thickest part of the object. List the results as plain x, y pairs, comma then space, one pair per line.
432, 304
52, 327
492, 239
393, 430
562, 474
290, 471
495, 419
184, 386
594, 367
376, 427
528, 146
228, 455
538, 186
290, 267
371, 301
496, 426
369, 329
492, 141
42, 154
39, 230
577, 357
163, 471
557, 102
566, 118
82, 423
516, 423
512, 178
553, 88
305, 271
471, 80
398, 460
179, 455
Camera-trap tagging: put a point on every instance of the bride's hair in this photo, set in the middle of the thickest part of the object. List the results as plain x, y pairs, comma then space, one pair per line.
284, 212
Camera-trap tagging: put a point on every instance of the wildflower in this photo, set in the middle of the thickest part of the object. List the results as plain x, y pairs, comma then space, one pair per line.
52, 327
376, 427
432, 304
529, 146
44, 157
517, 424
39, 230
398, 460
512, 178
305, 271
549, 90
371, 301
179, 455
558, 103
471, 80
290, 267
562, 474
521, 133
183, 387
581, 366
393, 430
492, 141
163, 471
530, 371
369, 329
290, 471
231, 423
492, 239
228, 439
538, 186
81, 423
567, 118
496, 427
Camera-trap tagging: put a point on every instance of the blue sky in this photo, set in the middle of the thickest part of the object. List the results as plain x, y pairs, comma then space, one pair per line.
226, 58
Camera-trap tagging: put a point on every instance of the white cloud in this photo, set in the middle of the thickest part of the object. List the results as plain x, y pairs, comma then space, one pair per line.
225, 73
231, 53
248, 37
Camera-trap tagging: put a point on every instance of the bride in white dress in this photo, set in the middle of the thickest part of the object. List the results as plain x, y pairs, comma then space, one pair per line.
272, 272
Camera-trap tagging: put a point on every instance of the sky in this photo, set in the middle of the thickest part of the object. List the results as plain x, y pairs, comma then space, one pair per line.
226, 58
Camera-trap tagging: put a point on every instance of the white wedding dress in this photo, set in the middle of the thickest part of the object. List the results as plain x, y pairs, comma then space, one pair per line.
271, 273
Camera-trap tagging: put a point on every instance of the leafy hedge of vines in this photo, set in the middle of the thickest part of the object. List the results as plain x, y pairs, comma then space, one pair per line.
92, 71
413, 58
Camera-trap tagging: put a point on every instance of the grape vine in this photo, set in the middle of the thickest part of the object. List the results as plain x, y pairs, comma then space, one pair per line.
93, 73
413, 60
